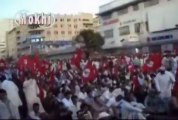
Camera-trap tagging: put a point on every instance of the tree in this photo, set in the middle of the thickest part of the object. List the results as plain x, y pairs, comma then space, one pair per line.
92, 40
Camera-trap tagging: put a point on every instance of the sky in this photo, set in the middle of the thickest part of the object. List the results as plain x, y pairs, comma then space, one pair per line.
9, 8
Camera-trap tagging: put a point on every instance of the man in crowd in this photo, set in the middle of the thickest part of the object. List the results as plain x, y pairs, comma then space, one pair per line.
31, 91
164, 82
13, 95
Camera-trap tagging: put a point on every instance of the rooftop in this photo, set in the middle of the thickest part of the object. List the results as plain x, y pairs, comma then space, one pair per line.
115, 5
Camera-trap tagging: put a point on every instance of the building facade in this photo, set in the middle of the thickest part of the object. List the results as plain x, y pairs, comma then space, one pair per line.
5, 25
126, 23
28, 39
96, 24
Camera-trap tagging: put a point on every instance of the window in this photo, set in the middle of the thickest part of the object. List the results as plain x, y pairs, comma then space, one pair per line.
62, 32
150, 3
56, 20
137, 28
55, 26
108, 33
18, 32
35, 32
79, 19
48, 32
86, 20
124, 30
68, 20
62, 26
61, 20
33, 40
55, 32
135, 7
123, 11
75, 20
75, 26
18, 38
69, 25
37, 40
106, 17
69, 32
147, 26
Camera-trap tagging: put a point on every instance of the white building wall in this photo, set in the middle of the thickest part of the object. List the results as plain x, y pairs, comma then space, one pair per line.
163, 16
160, 17
5, 25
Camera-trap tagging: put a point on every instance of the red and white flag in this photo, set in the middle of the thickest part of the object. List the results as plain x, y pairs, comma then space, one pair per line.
90, 73
76, 59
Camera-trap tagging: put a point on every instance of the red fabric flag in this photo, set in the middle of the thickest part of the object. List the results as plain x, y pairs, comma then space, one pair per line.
132, 69
35, 63
156, 59
24, 63
2, 65
76, 59
115, 72
136, 84
95, 71
44, 67
89, 73
59, 66
148, 67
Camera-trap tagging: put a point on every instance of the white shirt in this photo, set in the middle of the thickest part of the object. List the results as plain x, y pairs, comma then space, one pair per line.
117, 92
174, 67
106, 95
74, 110
82, 95
12, 92
4, 112
127, 106
67, 103
33, 116
111, 102
31, 89
127, 109
164, 83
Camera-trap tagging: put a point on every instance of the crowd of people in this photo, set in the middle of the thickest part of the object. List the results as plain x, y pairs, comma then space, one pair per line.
107, 88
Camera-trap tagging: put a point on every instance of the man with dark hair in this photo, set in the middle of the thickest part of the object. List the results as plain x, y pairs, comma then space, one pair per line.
84, 112
67, 100
35, 114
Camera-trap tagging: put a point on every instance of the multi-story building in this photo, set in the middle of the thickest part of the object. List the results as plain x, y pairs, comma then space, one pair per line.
5, 25
29, 38
16, 41
140, 23
68, 26
96, 24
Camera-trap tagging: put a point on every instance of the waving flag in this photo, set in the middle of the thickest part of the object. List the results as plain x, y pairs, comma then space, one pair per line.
35, 63
90, 73
2, 64
155, 60
24, 63
76, 59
